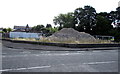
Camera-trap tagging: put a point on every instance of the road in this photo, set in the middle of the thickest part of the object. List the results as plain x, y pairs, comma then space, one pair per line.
24, 60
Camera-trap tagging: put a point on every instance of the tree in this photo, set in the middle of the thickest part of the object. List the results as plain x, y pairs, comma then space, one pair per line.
38, 28
4, 30
58, 20
103, 26
85, 18
48, 26
9, 29
118, 17
117, 25
112, 17
64, 20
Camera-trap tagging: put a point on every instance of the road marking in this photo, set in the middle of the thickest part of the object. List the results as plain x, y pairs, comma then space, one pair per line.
10, 56
96, 51
65, 54
90, 63
81, 51
25, 68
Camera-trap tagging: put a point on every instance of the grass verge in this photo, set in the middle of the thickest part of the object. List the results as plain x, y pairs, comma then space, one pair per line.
67, 42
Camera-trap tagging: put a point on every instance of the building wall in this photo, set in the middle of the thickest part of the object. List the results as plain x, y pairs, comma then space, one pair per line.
24, 35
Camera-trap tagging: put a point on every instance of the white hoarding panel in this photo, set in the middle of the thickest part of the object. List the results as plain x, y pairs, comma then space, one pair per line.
24, 35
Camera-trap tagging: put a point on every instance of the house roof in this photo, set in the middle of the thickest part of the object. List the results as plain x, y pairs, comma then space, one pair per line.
1, 28
22, 27
19, 27
18, 30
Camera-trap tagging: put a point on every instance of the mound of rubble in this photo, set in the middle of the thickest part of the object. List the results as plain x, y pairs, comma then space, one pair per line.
71, 35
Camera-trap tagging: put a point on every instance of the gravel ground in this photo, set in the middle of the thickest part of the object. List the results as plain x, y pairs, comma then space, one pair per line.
71, 35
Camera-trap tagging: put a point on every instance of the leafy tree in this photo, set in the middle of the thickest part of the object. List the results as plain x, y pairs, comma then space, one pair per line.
112, 16
38, 28
58, 20
102, 27
53, 30
118, 17
4, 30
69, 21
85, 18
49, 31
9, 29
117, 24
64, 20
48, 26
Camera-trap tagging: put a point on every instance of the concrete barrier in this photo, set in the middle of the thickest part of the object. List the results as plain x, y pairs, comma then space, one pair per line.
66, 45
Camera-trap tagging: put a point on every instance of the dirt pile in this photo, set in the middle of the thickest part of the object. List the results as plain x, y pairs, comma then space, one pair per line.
71, 35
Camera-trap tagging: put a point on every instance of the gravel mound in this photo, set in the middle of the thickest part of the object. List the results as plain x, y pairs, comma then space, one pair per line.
71, 35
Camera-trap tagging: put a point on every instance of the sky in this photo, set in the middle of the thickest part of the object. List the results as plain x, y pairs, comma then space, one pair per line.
35, 12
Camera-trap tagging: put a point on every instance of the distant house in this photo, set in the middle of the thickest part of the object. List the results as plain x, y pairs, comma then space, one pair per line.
22, 28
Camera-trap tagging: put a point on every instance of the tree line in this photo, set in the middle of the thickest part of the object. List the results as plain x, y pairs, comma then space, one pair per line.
46, 30
88, 20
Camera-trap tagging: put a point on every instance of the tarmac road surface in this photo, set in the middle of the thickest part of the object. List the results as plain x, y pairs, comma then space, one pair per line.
23, 60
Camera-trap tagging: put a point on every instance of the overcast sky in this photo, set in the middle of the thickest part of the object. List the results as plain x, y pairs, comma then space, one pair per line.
34, 12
